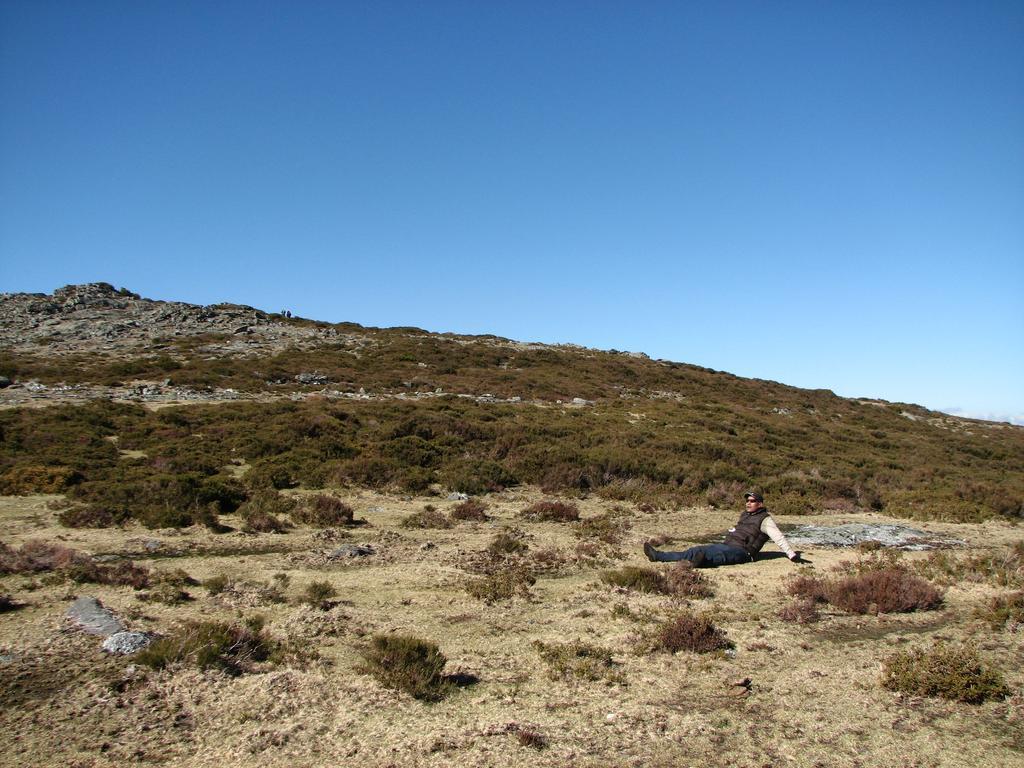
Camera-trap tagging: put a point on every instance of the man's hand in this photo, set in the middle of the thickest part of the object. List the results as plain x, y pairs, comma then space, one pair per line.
796, 558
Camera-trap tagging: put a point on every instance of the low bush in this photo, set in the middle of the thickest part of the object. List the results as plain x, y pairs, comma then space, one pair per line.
318, 595
609, 528
28, 479
887, 589
260, 514
943, 671
232, 648
503, 583
409, 664
471, 509
683, 580
801, 611
38, 556
637, 579
577, 659
1004, 611
551, 511
687, 631
217, 584
323, 511
508, 542
431, 518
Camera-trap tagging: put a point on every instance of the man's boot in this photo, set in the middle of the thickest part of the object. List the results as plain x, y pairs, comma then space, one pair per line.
650, 551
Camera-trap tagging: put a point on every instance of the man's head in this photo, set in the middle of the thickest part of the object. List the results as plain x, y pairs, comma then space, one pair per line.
753, 501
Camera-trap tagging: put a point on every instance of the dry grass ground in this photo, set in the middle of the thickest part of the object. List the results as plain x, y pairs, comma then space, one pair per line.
814, 697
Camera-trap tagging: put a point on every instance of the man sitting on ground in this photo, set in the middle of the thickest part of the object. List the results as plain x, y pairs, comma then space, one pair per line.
742, 543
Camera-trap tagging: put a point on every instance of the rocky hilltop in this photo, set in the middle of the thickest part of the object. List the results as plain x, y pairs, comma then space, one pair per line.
97, 318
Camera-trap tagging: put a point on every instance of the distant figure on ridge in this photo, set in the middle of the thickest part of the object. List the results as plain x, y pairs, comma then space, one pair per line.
742, 543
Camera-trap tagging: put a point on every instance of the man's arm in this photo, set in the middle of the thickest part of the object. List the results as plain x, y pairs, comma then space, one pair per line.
769, 527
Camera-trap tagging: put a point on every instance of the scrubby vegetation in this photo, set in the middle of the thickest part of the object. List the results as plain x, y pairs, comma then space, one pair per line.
407, 663
876, 583
1004, 611
323, 511
944, 671
685, 631
578, 660
233, 648
40, 556
551, 511
681, 580
506, 581
471, 509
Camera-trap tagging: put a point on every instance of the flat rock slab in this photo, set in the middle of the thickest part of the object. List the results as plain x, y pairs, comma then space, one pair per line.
852, 534
352, 550
89, 614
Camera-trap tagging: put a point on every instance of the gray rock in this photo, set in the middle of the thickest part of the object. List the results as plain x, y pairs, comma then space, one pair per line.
125, 643
89, 614
352, 550
852, 534
456, 496
311, 378
581, 401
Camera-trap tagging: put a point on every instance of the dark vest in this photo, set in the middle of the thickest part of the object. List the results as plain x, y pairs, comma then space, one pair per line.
747, 532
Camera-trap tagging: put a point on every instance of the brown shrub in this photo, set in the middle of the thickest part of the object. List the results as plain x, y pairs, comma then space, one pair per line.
502, 584
551, 511
882, 589
471, 509
260, 512
801, 611
509, 542
323, 511
892, 590
428, 518
1004, 611
687, 631
37, 556
683, 580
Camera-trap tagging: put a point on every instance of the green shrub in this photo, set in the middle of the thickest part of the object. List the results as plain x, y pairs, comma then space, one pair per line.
551, 511
503, 583
943, 671
323, 511
409, 664
637, 579
577, 659
232, 648
28, 479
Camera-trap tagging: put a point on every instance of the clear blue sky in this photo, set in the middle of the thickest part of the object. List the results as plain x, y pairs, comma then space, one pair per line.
828, 194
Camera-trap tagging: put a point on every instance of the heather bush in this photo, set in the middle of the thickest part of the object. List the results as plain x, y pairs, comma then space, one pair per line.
471, 509
551, 511
505, 582
683, 580
232, 648
318, 595
577, 660
609, 527
260, 514
508, 542
686, 631
322, 511
409, 664
31, 478
801, 611
943, 671
37, 556
874, 588
637, 579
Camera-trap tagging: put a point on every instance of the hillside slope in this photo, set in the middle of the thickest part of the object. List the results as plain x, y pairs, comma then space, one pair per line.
314, 404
